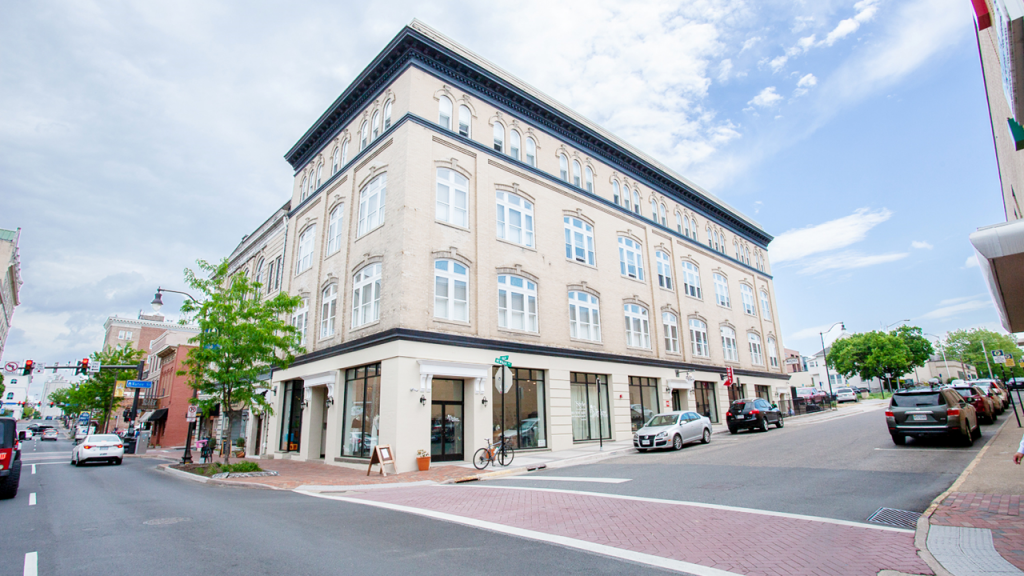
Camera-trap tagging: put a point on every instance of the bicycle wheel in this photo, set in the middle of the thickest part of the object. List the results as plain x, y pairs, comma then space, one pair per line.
481, 459
505, 455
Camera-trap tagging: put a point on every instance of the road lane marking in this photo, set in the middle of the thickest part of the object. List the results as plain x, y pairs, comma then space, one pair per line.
33, 468
32, 499
927, 450
628, 555
567, 479
31, 564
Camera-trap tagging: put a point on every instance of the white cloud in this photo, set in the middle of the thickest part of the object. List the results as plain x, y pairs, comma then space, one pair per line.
767, 97
724, 68
951, 301
749, 43
849, 261
951, 310
778, 62
831, 235
921, 245
807, 81
971, 262
866, 10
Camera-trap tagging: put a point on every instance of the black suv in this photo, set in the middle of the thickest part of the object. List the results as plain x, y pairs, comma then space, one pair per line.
752, 413
921, 413
10, 458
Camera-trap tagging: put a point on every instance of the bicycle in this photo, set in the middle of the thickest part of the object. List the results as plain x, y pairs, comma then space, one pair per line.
500, 451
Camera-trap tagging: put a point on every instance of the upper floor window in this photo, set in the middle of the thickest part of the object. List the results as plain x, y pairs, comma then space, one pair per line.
693, 228
636, 202
563, 167
514, 143
451, 291
638, 330
257, 277
588, 179
664, 269
465, 121
679, 223
271, 275
371, 204
722, 291
699, 338
452, 197
517, 303
376, 125
305, 259
444, 113
661, 215
364, 135
736, 248
334, 229
711, 240
755, 348
766, 307
319, 174
366, 295
615, 193
344, 153
531, 152
280, 271
579, 240
335, 160
515, 219
584, 316
773, 354
729, 344
499, 137
302, 190
387, 115
654, 209
328, 310
300, 318
748, 300
576, 174
691, 279
671, 328
631, 263
626, 195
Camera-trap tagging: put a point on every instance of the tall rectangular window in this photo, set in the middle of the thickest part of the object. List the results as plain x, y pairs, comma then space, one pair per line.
517, 303
590, 410
361, 420
579, 240
300, 318
584, 316
729, 344
773, 353
328, 310
519, 412
334, 229
664, 269
699, 338
452, 197
722, 291
515, 219
305, 257
766, 307
451, 291
631, 262
691, 280
748, 300
366, 296
671, 328
643, 400
638, 328
755, 349
371, 204
465, 117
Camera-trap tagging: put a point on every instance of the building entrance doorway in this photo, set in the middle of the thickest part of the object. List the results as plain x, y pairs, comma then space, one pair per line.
679, 400
323, 429
446, 422
705, 400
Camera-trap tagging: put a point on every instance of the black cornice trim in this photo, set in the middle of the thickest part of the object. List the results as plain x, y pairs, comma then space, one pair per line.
410, 44
405, 334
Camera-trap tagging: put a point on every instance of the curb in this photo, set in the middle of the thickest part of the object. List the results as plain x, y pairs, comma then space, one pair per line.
360, 487
204, 480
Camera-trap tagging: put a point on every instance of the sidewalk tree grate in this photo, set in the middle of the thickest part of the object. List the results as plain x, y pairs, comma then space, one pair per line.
894, 517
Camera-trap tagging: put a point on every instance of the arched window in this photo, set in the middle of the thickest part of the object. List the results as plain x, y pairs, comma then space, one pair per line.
679, 223
364, 135
302, 190
319, 173
716, 240
376, 125
366, 295
746, 255
664, 269
691, 279
654, 209
387, 115
334, 229
499, 137
615, 193
755, 349
328, 310
563, 167
531, 152
465, 121
451, 291
661, 214
747, 296
766, 307
638, 329
514, 143
304, 260
711, 242
588, 179
335, 160
699, 338
257, 277
636, 202
584, 317
631, 262
773, 354
729, 344
371, 204
625, 197
270, 276
579, 240
722, 291
576, 174
686, 226
693, 227
517, 303
344, 152
444, 113
300, 318
452, 197
670, 326
515, 219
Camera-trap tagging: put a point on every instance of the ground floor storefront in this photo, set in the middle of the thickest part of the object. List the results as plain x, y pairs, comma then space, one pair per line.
448, 401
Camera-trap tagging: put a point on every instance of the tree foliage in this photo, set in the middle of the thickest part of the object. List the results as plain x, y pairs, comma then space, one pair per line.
966, 346
870, 355
241, 335
920, 347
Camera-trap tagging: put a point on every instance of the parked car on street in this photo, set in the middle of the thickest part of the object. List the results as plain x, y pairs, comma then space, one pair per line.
814, 399
983, 405
50, 434
991, 389
846, 395
923, 413
10, 458
672, 429
106, 447
752, 413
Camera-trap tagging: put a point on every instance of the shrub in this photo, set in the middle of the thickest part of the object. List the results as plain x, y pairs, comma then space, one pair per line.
242, 467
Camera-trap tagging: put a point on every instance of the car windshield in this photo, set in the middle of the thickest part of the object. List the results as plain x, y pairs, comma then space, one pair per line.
663, 420
103, 438
914, 400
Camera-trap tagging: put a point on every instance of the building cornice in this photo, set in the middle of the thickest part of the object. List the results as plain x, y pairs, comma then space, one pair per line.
135, 322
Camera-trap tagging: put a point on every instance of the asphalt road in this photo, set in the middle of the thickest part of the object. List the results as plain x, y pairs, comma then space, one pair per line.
128, 519
844, 468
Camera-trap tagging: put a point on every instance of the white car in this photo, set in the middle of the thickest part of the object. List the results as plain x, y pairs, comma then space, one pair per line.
108, 447
845, 395
672, 429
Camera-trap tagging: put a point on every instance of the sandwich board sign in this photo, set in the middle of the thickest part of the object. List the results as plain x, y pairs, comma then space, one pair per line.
382, 455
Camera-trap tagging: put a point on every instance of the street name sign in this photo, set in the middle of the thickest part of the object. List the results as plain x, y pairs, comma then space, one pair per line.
138, 384
503, 360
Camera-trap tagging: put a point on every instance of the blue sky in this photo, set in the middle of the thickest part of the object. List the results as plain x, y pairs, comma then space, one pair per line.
138, 137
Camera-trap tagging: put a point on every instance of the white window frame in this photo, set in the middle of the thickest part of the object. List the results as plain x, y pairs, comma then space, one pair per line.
465, 121
335, 160
722, 291
654, 209
387, 115
691, 280
510, 289
670, 325
447, 305
636, 202
371, 204
515, 143
509, 204
344, 154
302, 189
588, 179
531, 152
756, 354
364, 135
699, 338
366, 295
662, 214
444, 112
563, 167
328, 311
679, 223
747, 295
616, 196
499, 137
577, 174
638, 326
773, 354
729, 346
300, 319
304, 261
664, 265
631, 260
579, 241
766, 306
376, 126
452, 198
334, 228
584, 316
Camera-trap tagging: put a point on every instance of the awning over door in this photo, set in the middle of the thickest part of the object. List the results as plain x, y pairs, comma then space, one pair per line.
1000, 250
156, 415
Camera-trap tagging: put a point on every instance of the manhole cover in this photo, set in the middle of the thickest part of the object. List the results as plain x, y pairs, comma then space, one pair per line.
894, 517
165, 521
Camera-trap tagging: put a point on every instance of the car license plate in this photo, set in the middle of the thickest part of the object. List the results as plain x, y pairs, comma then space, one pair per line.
645, 442
920, 417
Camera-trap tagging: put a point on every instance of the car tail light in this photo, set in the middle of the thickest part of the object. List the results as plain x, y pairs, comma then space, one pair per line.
889, 414
755, 412
120, 446
728, 414
953, 412
87, 447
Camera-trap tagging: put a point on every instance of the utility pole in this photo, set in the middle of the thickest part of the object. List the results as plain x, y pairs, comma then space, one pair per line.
987, 363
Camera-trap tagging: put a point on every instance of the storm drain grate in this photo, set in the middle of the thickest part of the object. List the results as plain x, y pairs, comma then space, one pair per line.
894, 517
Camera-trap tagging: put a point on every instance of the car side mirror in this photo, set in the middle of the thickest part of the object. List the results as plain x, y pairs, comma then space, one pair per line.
21, 434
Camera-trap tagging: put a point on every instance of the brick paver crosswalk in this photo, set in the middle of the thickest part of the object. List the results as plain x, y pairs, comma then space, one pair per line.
743, 542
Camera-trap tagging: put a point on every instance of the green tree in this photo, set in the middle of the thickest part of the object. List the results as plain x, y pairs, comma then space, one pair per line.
1, 385
64, 398
870, 355
240, 336
966, 346
920, 348
96, 393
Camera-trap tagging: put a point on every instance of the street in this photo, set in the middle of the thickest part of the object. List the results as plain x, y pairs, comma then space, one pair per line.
108, 519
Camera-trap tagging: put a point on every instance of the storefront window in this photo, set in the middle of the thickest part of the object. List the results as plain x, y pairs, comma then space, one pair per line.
590, 411
643, 400
362, 411
737, 392
763, 392
706, 400
519, 413
291, 423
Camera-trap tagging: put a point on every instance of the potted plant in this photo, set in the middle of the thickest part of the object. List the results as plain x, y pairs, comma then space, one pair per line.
240, 451
423, 460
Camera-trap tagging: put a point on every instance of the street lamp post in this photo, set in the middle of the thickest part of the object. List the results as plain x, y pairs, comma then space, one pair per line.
825, 359
157, 303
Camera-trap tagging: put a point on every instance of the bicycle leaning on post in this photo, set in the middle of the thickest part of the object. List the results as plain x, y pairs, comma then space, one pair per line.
500, 451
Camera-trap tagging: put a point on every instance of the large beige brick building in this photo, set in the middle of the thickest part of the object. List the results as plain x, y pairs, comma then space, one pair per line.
444, 214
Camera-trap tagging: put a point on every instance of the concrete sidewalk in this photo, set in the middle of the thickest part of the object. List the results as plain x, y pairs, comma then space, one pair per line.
976, 526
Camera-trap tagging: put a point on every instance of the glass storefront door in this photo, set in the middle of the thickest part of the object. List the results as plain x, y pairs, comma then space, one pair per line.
291, 423
517, 410
446, 423
643, 400
590, 410
678, 400
361, 422
706, 400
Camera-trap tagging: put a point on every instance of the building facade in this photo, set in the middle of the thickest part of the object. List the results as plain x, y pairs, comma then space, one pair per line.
444, 215
54, 383
10, 281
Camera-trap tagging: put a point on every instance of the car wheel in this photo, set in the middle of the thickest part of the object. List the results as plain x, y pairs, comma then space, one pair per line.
706, 438
641, 449
118, 461
976, 433
677, 442
899, 439
9, 484
732, 430
780, 423
967, 439
764, 424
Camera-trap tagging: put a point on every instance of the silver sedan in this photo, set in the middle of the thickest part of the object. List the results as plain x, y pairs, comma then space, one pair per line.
672, 429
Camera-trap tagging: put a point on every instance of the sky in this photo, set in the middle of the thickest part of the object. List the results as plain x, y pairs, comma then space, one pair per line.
138, 137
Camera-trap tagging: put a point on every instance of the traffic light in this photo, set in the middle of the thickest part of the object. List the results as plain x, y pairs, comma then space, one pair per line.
51, 404
83, 367
27, 367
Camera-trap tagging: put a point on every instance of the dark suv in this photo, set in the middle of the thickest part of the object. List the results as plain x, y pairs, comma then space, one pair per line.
10, 458
921, 413
752, 413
